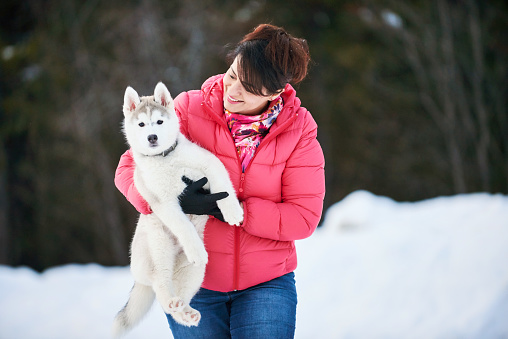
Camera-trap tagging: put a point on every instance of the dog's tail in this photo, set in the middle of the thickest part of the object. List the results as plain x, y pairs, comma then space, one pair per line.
139, 303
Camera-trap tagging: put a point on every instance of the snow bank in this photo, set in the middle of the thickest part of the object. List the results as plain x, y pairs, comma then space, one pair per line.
376, 269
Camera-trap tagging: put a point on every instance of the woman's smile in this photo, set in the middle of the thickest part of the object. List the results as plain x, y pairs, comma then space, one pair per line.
233, 100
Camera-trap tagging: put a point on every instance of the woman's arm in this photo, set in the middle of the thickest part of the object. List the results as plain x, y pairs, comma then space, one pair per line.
124, 181
303, 190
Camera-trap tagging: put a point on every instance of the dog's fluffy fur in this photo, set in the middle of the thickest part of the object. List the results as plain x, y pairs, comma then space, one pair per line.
168, 257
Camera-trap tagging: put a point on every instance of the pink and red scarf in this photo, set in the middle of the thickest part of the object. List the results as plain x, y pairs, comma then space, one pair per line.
249, 130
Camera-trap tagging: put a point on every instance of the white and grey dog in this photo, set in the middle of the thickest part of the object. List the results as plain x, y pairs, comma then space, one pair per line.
168, 257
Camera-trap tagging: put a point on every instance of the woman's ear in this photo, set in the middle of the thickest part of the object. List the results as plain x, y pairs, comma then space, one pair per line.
273, 97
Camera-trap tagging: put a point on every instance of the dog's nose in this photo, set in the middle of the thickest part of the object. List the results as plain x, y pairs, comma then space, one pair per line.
152, 138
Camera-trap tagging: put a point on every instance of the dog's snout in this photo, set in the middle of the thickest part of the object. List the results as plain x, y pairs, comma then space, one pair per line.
152, 138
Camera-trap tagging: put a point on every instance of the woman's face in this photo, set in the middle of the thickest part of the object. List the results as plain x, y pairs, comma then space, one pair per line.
237, 99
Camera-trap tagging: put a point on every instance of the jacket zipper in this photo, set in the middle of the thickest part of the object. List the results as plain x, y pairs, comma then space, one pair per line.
236, 259
236, 255
236, 240
236, 272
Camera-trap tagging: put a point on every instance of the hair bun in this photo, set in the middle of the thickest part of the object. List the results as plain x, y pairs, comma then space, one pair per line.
271, 58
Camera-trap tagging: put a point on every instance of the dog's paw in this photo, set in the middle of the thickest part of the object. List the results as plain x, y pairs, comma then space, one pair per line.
231, 210
175, 304
187, 317
196, 254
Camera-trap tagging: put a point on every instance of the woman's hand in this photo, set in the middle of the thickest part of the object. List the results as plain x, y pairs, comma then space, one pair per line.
196, 200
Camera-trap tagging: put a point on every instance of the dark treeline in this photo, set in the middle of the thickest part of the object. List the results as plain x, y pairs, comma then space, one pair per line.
410, 98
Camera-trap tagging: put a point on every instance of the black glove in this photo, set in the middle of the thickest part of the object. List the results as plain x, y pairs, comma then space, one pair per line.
196, 200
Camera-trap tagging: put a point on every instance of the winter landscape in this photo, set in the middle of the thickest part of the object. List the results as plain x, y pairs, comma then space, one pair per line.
375, 269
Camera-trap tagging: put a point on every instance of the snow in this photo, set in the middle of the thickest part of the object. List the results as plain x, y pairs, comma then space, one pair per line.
376, 269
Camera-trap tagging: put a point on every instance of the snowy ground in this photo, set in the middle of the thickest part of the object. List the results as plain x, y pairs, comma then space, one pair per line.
376, 269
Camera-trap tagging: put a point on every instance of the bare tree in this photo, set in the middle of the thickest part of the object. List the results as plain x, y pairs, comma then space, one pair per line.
4, 207
96, 50
445, 48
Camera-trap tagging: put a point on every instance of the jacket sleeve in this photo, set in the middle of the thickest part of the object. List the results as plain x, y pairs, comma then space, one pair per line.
303, 190
124, 181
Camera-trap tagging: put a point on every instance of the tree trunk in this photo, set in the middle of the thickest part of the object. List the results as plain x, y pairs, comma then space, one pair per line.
4, 208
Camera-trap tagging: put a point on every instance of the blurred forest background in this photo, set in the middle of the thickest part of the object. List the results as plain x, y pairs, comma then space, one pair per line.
410, 98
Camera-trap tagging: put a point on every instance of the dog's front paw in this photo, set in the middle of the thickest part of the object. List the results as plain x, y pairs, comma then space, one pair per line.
196, 254
231, 211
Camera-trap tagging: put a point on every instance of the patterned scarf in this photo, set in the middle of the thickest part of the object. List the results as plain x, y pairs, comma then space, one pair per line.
249, 130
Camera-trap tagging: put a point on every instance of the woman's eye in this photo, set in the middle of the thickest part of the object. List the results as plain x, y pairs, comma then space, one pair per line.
159, 122
141, 124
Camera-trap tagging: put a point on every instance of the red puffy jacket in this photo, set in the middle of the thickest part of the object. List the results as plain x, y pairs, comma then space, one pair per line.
282, 188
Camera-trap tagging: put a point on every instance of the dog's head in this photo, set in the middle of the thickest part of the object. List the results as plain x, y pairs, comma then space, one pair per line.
150, 125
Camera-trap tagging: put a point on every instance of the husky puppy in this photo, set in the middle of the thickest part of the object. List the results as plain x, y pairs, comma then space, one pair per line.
168, 257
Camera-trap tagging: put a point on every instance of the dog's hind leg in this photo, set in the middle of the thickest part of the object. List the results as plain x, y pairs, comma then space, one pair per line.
187, 317
188, 277
163, 250
179, 224
187, 281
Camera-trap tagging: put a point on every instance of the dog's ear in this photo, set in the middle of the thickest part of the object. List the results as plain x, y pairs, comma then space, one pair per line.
162, 96
130, 100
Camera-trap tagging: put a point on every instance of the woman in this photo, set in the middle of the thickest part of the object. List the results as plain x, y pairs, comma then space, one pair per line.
252, 120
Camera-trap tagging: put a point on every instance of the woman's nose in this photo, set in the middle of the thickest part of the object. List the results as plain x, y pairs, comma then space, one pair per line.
235, 87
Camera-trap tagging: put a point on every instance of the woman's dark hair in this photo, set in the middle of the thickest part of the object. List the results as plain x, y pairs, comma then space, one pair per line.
269, 58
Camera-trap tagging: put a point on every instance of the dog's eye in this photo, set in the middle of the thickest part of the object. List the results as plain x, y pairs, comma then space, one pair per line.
159, 122
141, 124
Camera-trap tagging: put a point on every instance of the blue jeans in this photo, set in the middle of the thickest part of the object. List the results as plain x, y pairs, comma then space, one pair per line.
267, 310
